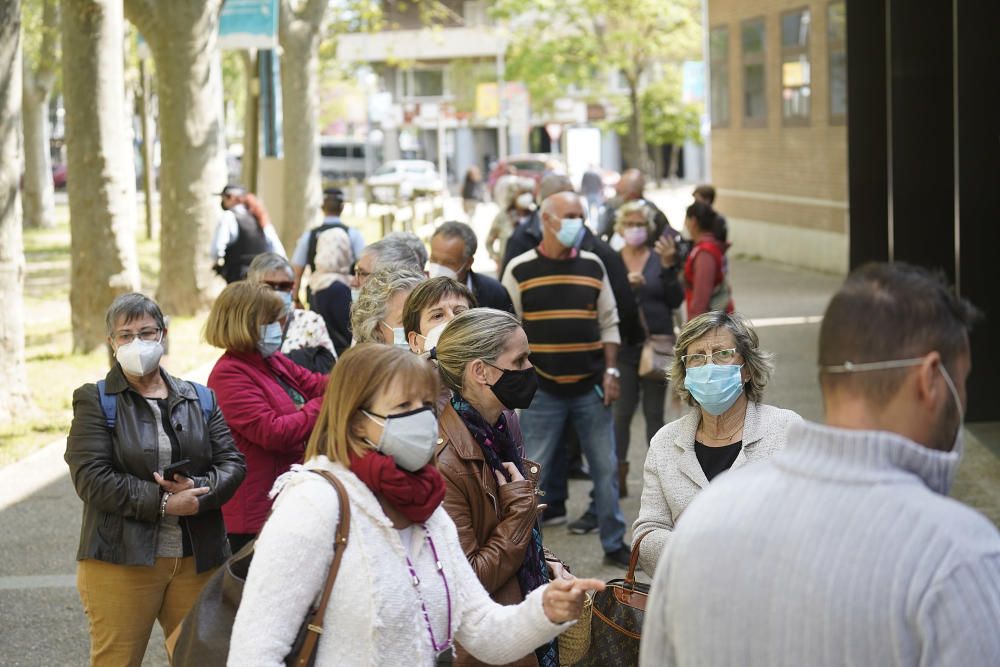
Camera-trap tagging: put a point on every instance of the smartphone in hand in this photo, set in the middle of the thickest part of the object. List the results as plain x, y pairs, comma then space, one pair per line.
181, 467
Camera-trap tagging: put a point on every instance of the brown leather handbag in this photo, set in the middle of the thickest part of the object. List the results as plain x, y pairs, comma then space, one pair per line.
203, 637
616, 625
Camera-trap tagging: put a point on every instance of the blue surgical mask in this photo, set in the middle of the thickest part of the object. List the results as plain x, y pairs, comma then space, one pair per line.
715, 388
398, 336
270, 339
354, 294
570, 232
286, 298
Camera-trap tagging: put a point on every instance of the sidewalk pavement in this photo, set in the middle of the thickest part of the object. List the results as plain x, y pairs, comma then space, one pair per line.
40, 615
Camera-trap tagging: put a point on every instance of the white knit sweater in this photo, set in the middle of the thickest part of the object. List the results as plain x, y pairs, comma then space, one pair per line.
374, 616
838, 550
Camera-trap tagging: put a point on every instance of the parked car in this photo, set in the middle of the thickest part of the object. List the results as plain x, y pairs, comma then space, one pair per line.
528, 165
404, 179
341, 159
59, 175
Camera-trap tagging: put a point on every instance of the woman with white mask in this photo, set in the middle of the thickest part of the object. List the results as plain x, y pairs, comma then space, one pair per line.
153, 460
270, 402
429, 307
404, 591
377, 314
720, 370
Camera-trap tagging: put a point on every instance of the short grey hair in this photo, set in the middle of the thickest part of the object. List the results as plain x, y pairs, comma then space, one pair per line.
479, 333
757, 361
132, 306
404, 248
267, 262
373, 299
459, 230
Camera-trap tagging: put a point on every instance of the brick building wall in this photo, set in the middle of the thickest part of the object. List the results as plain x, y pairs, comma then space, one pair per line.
781, 179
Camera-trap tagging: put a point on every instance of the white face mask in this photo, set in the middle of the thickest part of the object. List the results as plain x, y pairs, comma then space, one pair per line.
432, 337
435, 270
140, 357
398, 336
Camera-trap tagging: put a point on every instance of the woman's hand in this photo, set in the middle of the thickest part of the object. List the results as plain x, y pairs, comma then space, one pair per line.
179, 483
666, 248
185, 503
563, 598
515, 474
636, 279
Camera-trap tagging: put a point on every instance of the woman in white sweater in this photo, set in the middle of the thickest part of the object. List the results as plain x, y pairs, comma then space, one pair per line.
720, 369
405, 590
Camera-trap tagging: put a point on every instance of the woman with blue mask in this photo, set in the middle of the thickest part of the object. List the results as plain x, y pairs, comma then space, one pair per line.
270, 402
720, 370
377, 315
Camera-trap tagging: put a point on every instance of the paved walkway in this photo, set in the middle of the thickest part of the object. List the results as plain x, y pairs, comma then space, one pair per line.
40, 615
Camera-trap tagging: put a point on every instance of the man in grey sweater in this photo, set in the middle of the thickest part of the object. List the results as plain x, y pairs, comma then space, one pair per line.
843, 549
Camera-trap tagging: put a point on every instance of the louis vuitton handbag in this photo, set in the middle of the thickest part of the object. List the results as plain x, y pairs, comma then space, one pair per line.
616, 623
202, 639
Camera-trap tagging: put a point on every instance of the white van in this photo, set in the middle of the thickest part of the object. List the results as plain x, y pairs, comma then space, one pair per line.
343, 158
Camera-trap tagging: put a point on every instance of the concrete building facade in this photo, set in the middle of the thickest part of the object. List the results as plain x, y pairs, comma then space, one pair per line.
778, 108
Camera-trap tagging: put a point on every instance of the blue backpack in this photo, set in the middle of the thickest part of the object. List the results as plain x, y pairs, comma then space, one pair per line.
109, 403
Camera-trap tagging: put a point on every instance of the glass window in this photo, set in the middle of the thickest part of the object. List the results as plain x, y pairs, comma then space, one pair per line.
836, 30
718, 47
424, 83
754, 77
796, 74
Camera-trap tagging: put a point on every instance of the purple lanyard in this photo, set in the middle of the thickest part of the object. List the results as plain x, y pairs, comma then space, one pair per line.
416, 584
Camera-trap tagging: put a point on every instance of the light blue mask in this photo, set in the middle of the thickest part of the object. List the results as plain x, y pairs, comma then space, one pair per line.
570, 232
270, 339
715, 388
398, 336
286, 298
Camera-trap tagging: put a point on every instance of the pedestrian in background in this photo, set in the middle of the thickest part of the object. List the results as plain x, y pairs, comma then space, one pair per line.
405, 590
148, 543
429, 307
310, 243
472, 192
564, 300
270, 402
630, 187
509, 219
377, 315
453, 250
843, 548
592, 190
395, 248
720, 370
706, 286
705, 193
652, 275
483, 359
243, 231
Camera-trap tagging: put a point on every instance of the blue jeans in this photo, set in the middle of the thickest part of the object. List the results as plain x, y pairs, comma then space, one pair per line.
542, 425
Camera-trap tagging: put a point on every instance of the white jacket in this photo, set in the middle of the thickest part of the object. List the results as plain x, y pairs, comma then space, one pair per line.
673, 476
374, 616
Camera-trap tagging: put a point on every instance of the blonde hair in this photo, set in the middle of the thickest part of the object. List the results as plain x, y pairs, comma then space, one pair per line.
362, 373
628, 208
238, 313
755, 360
480, 333
373, 300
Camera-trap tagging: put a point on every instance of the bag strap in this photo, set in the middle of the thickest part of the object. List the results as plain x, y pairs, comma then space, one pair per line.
204, 398
315, 628
633, 561
109, 405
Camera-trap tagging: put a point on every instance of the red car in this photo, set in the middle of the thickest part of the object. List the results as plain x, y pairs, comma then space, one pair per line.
528, 165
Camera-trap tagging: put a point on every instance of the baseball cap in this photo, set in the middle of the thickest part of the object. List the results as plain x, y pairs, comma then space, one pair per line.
232, 189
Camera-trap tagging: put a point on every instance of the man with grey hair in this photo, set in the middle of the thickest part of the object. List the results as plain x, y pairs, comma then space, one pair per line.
396, 248
630, 187
843, 549
453, 248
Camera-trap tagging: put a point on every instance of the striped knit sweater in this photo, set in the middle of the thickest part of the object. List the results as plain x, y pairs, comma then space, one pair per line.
839, 550
568, 312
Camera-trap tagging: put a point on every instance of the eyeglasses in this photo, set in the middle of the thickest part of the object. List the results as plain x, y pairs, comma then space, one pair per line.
280, 285
126, 337
719, 358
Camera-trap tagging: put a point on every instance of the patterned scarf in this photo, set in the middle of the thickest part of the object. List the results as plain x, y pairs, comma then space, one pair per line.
498, 447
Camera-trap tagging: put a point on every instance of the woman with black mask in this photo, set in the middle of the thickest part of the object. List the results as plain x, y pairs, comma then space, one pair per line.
490, 488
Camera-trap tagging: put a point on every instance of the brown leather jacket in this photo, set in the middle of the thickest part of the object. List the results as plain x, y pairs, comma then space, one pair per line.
494, 522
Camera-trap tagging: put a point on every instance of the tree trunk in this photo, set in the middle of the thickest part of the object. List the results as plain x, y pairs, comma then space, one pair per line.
183, 40
101, 179
14, 396
39, 199
658, 164
636, 144
300, 36
251, 121
146, 120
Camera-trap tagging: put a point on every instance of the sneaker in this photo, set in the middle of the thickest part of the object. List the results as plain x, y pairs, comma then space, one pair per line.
554, 515
620, 557
585, 524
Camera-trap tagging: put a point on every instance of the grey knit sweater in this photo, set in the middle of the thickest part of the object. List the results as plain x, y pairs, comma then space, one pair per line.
839, 550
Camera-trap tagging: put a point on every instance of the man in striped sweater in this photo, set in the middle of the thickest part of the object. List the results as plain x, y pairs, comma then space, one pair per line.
843, 549
568, 311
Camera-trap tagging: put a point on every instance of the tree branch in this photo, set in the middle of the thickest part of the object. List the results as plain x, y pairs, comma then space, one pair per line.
141, 14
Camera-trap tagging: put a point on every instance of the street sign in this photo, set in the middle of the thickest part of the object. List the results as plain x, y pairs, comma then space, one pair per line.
249, 24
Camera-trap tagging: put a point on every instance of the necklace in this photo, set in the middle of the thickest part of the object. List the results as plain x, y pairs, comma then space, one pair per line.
447, 592
725, 437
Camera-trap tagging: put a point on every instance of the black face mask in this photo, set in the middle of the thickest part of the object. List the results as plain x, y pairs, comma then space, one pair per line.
515, 389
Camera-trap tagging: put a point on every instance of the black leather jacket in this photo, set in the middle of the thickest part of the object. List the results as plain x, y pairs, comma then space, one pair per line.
113, 472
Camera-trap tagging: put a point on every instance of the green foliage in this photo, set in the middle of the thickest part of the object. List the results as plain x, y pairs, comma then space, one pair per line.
665, 118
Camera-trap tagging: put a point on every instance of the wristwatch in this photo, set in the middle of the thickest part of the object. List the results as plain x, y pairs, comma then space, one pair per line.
613, 372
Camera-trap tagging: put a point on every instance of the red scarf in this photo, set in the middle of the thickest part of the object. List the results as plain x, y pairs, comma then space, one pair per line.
414, 494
